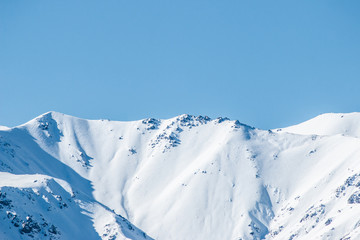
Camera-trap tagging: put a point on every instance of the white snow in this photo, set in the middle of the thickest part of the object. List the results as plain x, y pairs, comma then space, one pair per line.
4, 128
186, 177
329, 124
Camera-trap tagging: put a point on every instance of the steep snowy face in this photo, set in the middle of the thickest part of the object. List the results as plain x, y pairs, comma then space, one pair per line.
182, 178
329, 124
43, 198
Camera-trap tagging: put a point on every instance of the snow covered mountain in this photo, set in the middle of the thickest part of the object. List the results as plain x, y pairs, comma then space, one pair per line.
188, 177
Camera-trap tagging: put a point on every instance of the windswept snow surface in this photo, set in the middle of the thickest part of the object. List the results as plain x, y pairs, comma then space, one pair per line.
329, 124
182, 178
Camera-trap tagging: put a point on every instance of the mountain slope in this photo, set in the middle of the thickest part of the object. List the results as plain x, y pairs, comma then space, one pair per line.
42, 198
329, 124
182, 178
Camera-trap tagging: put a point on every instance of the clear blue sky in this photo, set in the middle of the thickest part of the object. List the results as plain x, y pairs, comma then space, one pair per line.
267, 63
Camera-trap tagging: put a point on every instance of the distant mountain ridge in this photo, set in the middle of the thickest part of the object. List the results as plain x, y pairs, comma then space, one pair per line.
188, 177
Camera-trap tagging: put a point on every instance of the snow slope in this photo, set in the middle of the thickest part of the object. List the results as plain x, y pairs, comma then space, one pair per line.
182, 178
329, 124
42, 198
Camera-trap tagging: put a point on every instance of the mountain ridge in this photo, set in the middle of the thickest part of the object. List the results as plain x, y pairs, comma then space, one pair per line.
183, 177
329, 124
352, 116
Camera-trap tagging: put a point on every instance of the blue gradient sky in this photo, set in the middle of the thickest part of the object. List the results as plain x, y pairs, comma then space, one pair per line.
267, 63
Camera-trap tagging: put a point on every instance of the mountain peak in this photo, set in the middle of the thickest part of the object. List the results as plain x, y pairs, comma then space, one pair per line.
347, 124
